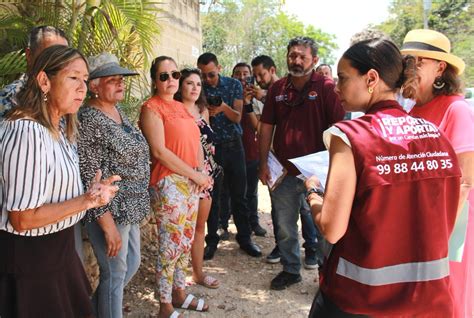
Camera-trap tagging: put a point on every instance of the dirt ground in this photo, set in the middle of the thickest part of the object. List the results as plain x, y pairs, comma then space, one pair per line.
245, 281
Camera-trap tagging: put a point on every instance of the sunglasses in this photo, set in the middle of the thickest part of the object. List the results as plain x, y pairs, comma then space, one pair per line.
209, 75
165, 76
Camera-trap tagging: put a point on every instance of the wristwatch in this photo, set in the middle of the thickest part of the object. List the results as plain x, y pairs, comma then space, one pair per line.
318, 191
248, 108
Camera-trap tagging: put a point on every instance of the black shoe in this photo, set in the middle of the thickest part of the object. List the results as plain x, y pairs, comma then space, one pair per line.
313, 258
258, 230
284, 280
224, 236
209, 252
251, 249
310, 258
274, 256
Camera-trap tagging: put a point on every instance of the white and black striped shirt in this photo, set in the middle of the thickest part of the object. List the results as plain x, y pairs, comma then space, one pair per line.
36, 169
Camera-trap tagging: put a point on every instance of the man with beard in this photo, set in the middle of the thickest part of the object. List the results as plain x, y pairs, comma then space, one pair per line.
298, 108
264, 71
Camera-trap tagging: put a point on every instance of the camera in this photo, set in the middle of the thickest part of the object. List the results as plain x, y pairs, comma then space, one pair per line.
214, 100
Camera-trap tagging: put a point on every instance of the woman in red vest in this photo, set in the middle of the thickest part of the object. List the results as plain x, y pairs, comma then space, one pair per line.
391, 197
439, 99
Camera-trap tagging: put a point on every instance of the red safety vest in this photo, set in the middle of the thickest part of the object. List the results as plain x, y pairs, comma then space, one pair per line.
393, 259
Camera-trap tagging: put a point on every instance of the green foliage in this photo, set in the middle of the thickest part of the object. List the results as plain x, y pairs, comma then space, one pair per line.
454, 18
126, 28
238, 31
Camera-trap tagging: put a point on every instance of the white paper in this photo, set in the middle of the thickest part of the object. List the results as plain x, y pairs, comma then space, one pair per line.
315, 164
275, 168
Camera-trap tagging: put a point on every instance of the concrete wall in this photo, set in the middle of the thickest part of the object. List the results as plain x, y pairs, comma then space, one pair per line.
181, 31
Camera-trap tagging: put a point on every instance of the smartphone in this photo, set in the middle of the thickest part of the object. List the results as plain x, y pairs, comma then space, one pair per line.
250, 80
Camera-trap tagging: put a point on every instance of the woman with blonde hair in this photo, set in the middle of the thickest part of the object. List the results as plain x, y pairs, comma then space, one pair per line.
440, 100
176, 181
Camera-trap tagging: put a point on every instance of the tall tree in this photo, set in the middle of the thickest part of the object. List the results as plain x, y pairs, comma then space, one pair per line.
240, 30
126, 28
454, 18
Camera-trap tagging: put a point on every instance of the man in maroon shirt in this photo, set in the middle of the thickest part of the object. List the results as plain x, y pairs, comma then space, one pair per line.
298, 108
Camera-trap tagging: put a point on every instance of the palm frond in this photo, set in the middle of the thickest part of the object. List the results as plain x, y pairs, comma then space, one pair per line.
11, 65
142, 16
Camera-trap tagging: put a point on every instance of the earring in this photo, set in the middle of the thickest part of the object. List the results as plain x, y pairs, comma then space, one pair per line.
371, 90
45, 98
96, 95
439, 83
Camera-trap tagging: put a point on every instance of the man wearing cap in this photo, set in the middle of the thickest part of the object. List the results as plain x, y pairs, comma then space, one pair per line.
110, 142
39, 39
440, 100
299, 108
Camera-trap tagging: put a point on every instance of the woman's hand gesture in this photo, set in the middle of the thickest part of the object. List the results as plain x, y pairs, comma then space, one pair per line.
101, 192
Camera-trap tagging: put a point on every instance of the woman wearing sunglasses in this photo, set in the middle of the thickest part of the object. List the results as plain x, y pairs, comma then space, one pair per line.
175, 183
108, 141
192, 96
439, 99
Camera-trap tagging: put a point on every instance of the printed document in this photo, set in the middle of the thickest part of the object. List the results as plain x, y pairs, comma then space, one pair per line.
315, 164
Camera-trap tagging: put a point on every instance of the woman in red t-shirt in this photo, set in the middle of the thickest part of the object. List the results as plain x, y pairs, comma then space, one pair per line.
439, 99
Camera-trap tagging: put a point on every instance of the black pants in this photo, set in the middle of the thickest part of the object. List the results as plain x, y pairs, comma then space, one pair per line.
231, 157
252, 197
323, 307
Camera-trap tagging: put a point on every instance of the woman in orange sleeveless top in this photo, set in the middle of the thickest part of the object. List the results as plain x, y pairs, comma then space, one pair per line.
176, 180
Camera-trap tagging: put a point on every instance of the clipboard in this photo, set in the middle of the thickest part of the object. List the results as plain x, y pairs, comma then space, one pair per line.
277, 171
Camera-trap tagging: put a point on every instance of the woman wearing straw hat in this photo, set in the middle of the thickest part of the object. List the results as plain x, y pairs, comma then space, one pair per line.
108, 141
439, 99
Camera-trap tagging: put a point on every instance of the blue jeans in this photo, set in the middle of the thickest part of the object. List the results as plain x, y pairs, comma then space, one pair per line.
288, 203
309, 231
115, 272
231, 157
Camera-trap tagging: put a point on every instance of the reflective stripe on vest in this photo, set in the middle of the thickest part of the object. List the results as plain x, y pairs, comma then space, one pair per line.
403, 273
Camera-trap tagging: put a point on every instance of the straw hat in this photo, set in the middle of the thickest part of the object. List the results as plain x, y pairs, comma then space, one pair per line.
106, 64
431, 44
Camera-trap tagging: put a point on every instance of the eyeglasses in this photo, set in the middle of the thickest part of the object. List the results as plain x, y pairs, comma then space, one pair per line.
209, 75
165, 76
294, 99
420, 61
